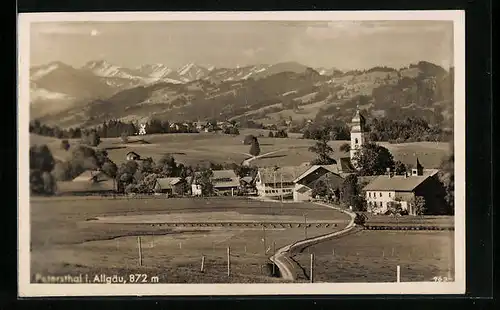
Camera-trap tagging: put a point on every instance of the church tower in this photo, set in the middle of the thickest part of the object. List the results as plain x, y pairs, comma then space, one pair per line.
359, 135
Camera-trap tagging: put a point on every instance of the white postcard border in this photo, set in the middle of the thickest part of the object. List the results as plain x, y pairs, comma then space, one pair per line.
27, 289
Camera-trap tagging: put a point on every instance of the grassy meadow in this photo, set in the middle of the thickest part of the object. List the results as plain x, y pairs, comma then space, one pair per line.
373, 256
219, 148
66, 240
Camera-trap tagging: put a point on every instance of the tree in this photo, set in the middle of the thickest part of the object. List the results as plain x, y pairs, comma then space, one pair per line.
91, 138
345, 147
350, 189
204, 179
447, 178
255, 147
323, 150
65, 144
419, 205
319, 189
41, 165
167, 166
399, 168
124, 137
373, 159
270, 135
249, 139
41, 158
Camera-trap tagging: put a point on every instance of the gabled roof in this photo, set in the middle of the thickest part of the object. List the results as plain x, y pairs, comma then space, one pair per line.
167, 183
345, 165
314, 168
285, 174
398, 182
247, 179
92, 175
75, 187
225, 178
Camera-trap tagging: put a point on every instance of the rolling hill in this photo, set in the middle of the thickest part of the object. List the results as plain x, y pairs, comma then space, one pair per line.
264, 93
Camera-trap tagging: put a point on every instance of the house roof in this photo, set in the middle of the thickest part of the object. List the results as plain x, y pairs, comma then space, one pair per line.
74, 187
247, 179
166, 183
132, 153
398, 182
225, 178
88, 175
285, 174
312, 169
344, 164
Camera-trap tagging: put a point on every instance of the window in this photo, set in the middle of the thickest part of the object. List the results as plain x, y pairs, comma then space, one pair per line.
356, 140
380, 194
381, 203
389, 195
370, 194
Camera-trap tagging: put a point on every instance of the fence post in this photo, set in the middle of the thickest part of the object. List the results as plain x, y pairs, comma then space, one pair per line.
274, 254
311, 277
202, 262
228, 261
139, 246
398, 274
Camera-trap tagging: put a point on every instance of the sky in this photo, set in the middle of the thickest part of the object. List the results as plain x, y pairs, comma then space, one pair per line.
336, 44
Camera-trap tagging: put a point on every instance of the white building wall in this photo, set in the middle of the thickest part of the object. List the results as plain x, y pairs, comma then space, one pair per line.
196, 190
384, 197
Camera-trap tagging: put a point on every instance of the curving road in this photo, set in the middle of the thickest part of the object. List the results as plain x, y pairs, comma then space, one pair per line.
282, 258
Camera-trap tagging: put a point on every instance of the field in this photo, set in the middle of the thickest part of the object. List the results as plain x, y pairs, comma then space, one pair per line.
219, 148
373, 256
72, 236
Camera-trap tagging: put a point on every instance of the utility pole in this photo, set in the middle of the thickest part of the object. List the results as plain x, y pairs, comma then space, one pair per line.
281, 180
305, 226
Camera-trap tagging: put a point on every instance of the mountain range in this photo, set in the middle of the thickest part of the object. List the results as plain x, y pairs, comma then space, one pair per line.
99, 91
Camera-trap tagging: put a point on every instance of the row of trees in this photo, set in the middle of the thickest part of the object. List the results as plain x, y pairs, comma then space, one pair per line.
411, 129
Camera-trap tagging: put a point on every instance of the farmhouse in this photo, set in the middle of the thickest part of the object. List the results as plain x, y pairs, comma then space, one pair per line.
90, 182
170, 186
386, 190
275, 182
223, 181
133, 156
327, 174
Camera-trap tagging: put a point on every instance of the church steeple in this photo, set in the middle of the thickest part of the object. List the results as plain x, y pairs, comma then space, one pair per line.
419, 170
358, 134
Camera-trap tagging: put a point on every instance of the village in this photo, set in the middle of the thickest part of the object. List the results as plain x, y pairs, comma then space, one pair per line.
413, 192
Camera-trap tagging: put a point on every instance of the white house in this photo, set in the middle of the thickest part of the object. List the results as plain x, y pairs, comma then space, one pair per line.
386, 189
224, 182
276, 182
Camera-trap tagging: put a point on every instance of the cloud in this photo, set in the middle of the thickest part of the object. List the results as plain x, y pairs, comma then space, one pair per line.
252, 52
337, 29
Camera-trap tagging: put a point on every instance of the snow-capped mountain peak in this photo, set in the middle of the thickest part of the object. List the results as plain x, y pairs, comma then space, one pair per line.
41, 71
105, 69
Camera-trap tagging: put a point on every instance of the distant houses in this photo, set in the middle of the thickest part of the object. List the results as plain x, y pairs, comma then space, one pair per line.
133, 156
90, 182
224, 182
171, 186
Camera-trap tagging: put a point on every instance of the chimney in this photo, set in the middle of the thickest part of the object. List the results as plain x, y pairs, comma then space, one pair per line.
389, 173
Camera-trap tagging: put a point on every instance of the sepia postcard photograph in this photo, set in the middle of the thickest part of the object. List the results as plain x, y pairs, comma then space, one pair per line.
241, 153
